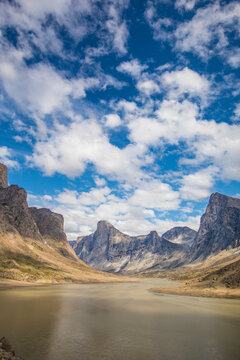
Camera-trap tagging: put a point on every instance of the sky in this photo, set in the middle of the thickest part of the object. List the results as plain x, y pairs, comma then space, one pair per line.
121, 110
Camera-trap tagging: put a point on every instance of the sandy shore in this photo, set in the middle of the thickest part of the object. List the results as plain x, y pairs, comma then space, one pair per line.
218, 292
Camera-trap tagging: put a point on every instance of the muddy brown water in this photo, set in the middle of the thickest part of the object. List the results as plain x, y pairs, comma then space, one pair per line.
119, 322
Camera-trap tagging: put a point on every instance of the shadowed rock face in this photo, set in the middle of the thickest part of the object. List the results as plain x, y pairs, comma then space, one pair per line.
180, 235
109, 249
49, 223
15, 214
219, 227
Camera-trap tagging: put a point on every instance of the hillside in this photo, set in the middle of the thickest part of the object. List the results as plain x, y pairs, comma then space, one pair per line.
33, 245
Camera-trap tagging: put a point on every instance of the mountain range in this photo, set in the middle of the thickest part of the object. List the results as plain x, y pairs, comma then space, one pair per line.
34, 247
110, 250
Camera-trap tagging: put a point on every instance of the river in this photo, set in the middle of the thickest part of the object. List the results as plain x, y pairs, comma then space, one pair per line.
118, 322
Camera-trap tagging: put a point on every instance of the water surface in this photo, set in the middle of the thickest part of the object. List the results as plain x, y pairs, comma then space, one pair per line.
118, 321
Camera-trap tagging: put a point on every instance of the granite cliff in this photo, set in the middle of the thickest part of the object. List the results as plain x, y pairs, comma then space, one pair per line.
110, 250
219, 227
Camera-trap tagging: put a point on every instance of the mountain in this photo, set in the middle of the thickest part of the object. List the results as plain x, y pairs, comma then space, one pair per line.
110, 250
219, 227
33, 245
180, 235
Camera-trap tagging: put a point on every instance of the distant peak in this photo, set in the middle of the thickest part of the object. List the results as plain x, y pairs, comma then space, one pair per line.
224, 200
104, 223
153, 234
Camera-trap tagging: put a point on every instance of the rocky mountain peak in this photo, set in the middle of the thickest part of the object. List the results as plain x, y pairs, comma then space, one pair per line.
154, 235
221, 200
102, 225
219, 227
180, 235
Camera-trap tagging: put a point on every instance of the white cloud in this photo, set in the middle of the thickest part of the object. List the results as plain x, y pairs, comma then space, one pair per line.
237, 112
133, 68
233, 57
148, 87
70, 148
112, 120
185, 4
173, 121
180, 82
117, 27
82, 211
205, 142
6, 156
127, 106
161, 25
198, 185
155, 194
209, 24
40, 88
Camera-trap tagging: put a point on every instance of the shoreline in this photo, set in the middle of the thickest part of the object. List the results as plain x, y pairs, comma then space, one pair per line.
7, 284
219, 292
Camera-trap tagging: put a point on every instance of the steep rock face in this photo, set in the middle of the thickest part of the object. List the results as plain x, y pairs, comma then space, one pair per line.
50, 224
219, 227
111, 250
15, 214
3, 176
180, 235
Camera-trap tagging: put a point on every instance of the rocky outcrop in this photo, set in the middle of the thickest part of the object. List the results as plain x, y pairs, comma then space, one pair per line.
219, 227
6, 350
3, 176
110, 250
50, 224
15, 214
180, 235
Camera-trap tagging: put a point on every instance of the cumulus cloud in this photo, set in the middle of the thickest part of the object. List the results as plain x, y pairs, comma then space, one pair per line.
70, 148
83, 210
198, 185
40, 88
133, 68
148, 87
186, 81
209, 24
6, 156
155, 194
185, 4
112, 120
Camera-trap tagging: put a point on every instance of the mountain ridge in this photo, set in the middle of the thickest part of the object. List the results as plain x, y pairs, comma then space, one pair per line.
33, 244
219, 230
111, 250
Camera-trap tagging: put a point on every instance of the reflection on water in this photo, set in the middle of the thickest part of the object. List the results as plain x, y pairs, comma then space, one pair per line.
121, 321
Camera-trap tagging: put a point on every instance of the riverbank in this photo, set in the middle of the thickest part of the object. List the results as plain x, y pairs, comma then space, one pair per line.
187, 290
9, 284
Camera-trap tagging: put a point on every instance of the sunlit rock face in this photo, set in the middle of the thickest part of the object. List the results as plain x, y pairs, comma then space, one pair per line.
110, 250
180, 235
219, 227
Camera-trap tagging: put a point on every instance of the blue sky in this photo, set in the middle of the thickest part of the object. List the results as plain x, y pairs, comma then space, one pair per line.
123, 110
